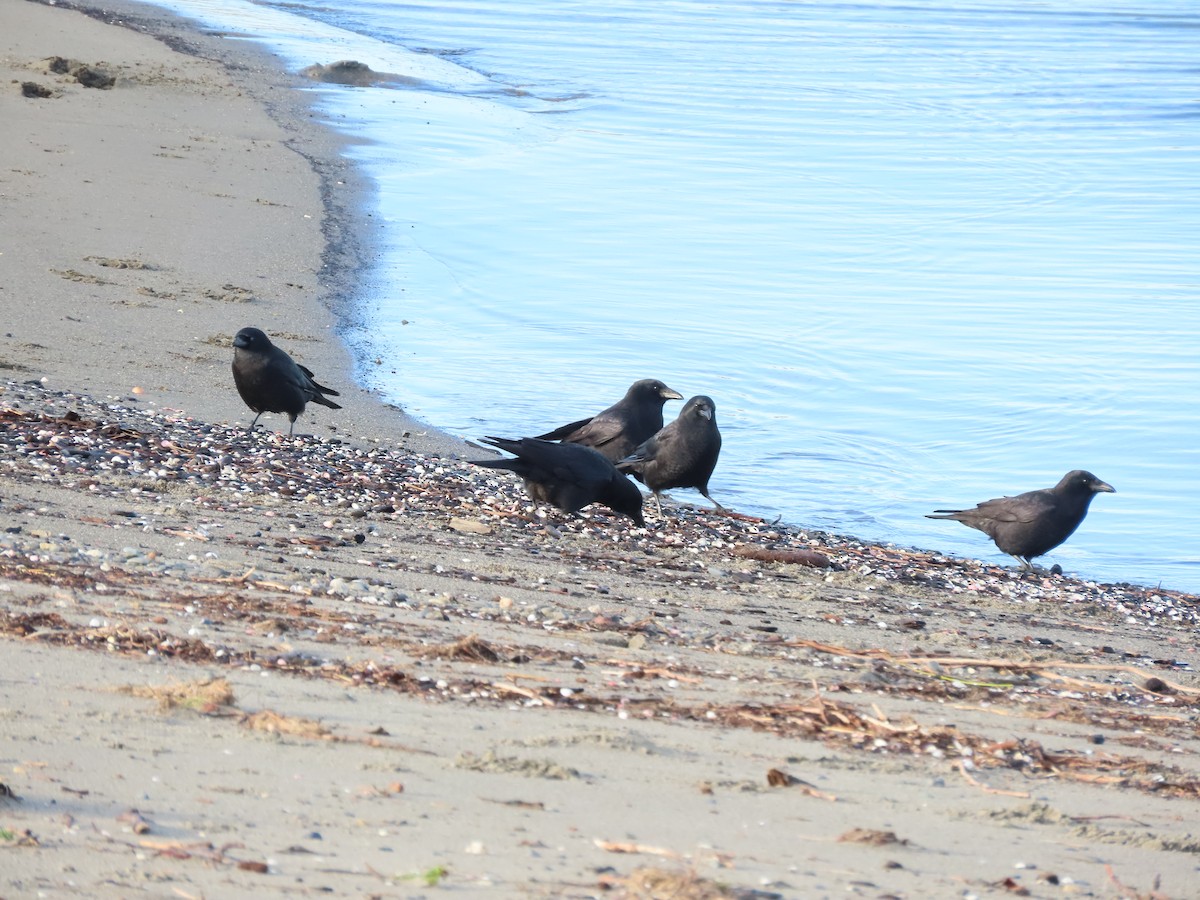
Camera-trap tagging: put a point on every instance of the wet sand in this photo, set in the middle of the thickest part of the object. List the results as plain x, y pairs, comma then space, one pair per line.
351, 663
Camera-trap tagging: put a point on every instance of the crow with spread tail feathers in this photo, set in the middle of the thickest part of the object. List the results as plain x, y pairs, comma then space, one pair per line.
616, 431
271, 381
1033, 523
568, 476
681, 455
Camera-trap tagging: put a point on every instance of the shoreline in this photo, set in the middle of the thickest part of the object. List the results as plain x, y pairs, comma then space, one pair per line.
346, 237
352, 663
257, 224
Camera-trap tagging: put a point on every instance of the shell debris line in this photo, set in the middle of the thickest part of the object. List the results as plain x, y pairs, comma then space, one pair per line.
348, 560
113, 449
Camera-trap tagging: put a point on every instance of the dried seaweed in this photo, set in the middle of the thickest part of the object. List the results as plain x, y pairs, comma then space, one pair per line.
204, 696
847, 727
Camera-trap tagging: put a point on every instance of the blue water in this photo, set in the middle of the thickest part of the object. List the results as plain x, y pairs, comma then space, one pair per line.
921, 254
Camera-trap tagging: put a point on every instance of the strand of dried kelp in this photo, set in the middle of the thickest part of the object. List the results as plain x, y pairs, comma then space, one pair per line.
843, 725
934, 666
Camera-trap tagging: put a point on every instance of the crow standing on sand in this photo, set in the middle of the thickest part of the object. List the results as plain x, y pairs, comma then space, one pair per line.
569, 476
271, 381
1035, 522
682, 455
616, 431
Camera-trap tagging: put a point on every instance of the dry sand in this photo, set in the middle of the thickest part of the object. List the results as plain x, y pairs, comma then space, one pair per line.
145, 224
351, 664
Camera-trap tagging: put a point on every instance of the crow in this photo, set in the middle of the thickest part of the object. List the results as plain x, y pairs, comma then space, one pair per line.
1035, 522
616, 431
568, 476
681, 455
271, 381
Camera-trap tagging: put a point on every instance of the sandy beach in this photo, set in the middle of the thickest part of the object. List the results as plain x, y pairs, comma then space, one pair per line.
352, 664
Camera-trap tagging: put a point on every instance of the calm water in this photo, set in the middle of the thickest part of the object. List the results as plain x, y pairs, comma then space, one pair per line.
920, 253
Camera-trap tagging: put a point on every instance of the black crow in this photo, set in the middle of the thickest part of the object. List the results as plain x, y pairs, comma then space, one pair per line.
1035, 522
616, 431
682, 455
569, 476
271, 381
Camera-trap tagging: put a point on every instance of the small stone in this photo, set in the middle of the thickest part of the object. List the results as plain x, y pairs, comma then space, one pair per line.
1156, 685
469, 526
34, 90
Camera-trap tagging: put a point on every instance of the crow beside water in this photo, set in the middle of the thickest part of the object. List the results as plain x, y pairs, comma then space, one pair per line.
1035, 522
568, 476
630, 434
681, 455
271, 381
616, 431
